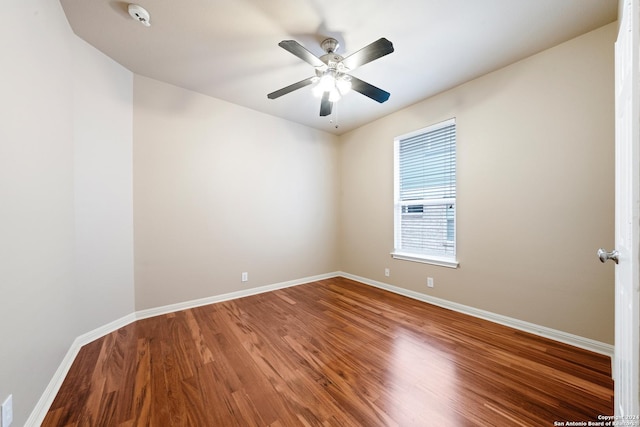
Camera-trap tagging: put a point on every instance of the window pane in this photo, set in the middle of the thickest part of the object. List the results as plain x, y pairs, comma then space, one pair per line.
426, 191
429, 231
427, 165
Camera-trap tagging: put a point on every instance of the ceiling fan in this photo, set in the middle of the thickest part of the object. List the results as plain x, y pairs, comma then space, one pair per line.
332, 72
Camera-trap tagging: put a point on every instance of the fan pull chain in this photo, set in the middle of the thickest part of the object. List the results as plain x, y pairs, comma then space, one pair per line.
335, 113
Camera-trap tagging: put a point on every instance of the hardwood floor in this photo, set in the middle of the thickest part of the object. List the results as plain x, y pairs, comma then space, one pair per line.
329, 353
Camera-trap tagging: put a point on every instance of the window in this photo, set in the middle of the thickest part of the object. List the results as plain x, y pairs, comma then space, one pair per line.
425, 195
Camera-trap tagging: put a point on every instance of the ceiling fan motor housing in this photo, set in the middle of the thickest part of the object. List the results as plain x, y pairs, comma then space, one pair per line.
332, 59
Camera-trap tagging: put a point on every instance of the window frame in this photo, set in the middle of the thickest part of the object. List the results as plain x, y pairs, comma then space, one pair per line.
398, 253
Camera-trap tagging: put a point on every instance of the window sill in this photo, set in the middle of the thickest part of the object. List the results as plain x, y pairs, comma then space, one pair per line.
442, 262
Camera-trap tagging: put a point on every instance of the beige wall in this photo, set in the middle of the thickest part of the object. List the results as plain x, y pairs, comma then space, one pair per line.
220, 190
66, 263
535, 190
103, 186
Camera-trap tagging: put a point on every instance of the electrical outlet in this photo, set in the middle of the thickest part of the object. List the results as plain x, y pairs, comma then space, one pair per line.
430, 282
387, 272
7, 412
245, 277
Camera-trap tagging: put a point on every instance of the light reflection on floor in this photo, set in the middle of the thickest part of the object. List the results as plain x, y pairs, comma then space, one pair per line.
418, 369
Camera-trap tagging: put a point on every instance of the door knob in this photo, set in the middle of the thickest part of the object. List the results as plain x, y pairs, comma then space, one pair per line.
604, 255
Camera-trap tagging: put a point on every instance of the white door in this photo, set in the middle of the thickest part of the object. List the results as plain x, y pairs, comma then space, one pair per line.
626, 368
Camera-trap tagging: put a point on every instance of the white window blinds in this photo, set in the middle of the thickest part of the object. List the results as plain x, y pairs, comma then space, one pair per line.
425, 189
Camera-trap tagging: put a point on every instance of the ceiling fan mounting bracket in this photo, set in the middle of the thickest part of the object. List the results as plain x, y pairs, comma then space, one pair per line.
330, 45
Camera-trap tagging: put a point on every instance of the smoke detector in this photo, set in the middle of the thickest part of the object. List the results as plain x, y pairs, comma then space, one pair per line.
139, 14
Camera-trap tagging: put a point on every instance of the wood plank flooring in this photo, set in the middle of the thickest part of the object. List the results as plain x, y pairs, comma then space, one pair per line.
329, 353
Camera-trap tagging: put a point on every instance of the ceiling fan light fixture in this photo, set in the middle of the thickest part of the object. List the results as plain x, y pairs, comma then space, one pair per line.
336, 84
327, 82
317, 91
334, 95
343, 84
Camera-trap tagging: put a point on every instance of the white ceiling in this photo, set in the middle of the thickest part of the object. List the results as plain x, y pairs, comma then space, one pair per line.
229, 49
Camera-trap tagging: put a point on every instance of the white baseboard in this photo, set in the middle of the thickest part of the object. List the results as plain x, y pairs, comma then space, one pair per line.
560, 336
44, 403
151, 312
42, 407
